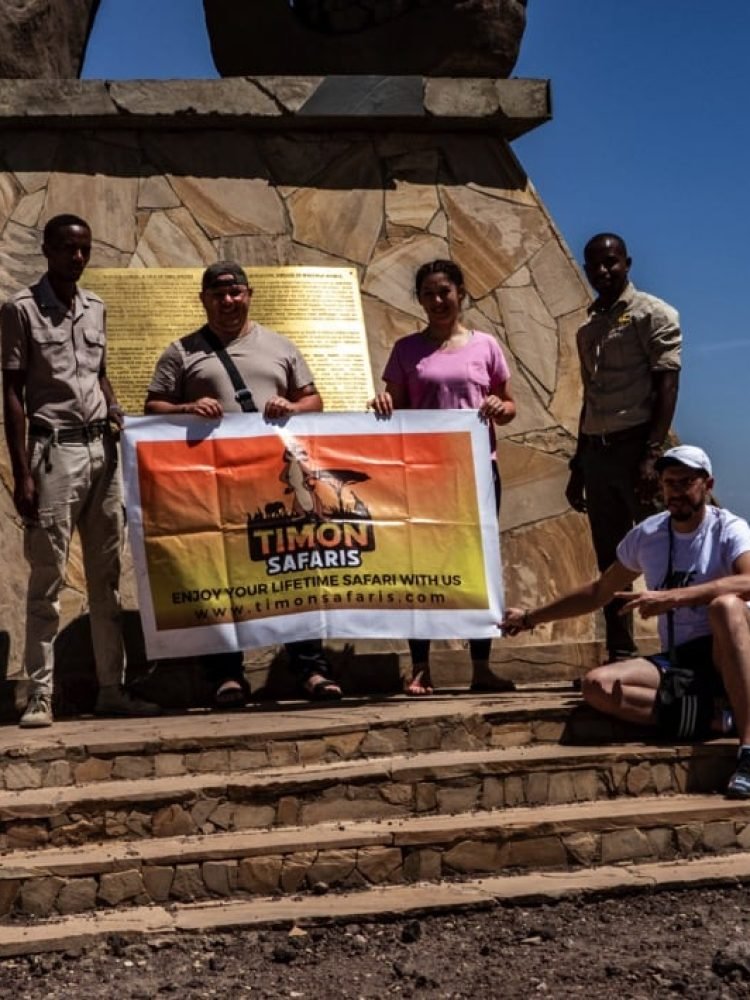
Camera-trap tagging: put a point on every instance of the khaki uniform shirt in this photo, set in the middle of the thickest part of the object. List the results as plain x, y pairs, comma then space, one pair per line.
618, 349
271, 365
62, 351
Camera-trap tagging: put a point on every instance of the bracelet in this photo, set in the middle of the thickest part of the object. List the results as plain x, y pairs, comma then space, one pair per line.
526, 621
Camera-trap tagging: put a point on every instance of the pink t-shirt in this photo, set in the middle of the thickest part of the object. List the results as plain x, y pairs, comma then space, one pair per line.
448, 380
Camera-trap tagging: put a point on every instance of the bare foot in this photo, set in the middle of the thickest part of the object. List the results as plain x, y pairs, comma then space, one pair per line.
420, 684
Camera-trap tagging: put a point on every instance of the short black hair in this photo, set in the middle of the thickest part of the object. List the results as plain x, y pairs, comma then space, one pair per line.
65, 221
600, 237
451, 270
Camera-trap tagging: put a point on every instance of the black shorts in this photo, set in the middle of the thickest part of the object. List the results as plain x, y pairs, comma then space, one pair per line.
693, 680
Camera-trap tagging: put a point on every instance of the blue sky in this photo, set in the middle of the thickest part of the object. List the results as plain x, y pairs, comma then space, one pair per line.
649, 139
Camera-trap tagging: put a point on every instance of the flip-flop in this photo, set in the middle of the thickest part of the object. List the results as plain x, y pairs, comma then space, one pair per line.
230, 694
322, 690
427, 689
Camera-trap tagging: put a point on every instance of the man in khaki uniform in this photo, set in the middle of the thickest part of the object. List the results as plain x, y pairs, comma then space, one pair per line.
58, 405
629, 350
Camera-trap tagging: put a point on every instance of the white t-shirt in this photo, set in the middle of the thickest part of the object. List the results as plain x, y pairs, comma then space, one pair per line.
699, 556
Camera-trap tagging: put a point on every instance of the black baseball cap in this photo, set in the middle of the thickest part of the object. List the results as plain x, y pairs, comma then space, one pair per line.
223, 272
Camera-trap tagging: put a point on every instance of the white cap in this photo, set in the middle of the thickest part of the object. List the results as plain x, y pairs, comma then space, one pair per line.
685, 454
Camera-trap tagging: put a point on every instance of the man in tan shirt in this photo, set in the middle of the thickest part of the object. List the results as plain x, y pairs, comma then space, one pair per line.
58, 405
629, 351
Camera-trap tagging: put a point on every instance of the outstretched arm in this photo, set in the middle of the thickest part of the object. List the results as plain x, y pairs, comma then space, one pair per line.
581, 601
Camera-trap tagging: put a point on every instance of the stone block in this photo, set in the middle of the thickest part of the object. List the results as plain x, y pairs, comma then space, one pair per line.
493, 793
380, 865
332, 867
246, 816
117, 887
21, 775
424, 865
129, 767
115, 823
424, 737
157, 881
77, 896
681, 777
172, 821
459, 738
743, 837
619, 775
207, 761
514, 793
587, 786
333, 810
38, 895
345, 745
458, 800
282, 753
639, 779
247, 760
295, 868
583, 847
473, 856
425, 798
382, 741
287, 812
81, 831
23, 836
663, 779
9, 889
517, 734
187, 883
625, 845
220, 877
719, 836
689, 838
311, 751
261, 876
202, 810
537, 852
548, 730
223, 816
537, 788
139, 823
168, 765
398, 794
58, 773
93, 769
561, 788
662, 842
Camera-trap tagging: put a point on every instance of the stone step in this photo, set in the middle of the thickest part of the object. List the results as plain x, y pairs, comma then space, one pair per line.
370, 852
436, 782
90, 750
63, 933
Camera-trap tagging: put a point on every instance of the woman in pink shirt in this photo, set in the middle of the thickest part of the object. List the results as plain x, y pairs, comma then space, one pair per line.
446, 366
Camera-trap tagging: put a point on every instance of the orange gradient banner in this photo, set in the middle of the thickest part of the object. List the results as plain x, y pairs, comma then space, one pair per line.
328, 525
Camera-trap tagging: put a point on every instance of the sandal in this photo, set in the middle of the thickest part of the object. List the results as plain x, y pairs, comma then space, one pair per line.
419, 685
319, 688
230, 694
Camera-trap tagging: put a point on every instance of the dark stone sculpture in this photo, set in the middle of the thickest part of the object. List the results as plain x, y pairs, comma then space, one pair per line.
44, 39
383, 37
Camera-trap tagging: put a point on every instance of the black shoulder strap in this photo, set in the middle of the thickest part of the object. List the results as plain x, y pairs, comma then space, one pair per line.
241, 392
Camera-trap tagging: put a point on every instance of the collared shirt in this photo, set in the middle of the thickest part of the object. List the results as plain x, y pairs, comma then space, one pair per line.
270, 365
619, 348
61, 350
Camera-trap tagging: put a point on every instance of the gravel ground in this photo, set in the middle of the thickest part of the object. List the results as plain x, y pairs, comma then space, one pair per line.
694, 944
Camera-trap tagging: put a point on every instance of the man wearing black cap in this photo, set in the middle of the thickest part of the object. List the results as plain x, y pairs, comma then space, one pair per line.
229, 365
696, 562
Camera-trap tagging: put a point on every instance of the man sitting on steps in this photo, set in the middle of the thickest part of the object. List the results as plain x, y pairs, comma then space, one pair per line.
696, 562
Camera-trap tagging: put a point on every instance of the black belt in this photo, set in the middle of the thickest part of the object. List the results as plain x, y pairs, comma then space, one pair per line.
639, 432
71, 435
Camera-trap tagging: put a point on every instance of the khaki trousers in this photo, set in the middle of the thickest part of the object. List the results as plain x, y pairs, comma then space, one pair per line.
79, 487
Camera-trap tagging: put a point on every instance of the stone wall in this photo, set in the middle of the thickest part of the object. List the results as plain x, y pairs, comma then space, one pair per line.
383, 201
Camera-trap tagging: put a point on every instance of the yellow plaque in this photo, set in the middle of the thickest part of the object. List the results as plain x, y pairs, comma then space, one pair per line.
318, 308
